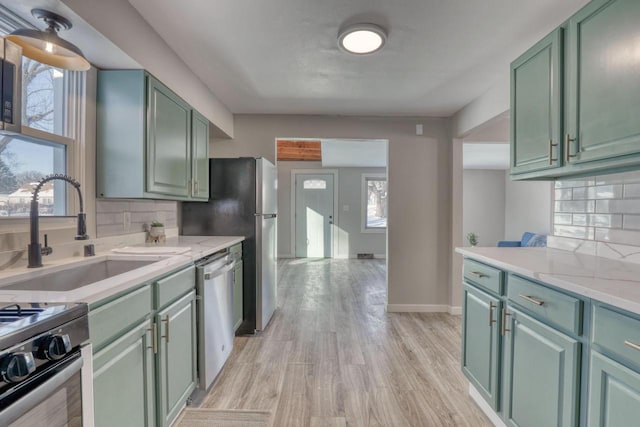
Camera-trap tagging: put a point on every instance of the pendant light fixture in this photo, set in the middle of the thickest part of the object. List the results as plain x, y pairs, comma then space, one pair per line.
47, 47
362, 39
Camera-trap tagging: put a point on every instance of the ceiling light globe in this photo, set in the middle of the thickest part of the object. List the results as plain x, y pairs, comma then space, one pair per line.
362, 39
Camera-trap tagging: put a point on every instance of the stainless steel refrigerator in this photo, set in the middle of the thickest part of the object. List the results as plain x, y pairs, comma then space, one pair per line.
243, 202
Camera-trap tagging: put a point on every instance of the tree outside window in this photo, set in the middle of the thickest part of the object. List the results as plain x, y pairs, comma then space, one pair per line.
376, 206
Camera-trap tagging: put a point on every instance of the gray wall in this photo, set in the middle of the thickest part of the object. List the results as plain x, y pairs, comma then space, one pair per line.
528, 207
419, 238
351, 240
483, 205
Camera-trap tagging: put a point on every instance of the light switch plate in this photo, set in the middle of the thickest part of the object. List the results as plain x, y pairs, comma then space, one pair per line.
345, 208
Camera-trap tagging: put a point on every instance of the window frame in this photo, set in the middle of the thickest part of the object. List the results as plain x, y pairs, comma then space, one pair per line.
75, 116
364, 203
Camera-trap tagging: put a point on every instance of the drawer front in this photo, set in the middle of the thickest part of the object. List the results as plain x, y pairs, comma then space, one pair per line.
618, 333
174, 286
548, 304
482, 275
110, 320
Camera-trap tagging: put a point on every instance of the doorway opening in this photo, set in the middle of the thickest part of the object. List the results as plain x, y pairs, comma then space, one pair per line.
333, 198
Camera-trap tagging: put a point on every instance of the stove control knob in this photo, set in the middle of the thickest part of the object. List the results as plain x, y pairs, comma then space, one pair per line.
55, 347
17, 367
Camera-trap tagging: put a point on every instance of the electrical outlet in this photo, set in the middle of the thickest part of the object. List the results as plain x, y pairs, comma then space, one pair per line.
126, 221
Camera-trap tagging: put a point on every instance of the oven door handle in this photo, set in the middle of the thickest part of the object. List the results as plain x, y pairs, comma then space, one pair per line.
35, 397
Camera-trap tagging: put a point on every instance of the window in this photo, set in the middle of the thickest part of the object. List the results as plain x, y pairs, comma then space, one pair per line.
51, 101
315, 184
374, 203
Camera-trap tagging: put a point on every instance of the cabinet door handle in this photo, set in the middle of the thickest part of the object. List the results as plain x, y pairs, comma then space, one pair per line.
166, 331
504, 329
197, 188
531, 299
478, 274
632, 345
567, 147
492, 306
551, 145
154, 338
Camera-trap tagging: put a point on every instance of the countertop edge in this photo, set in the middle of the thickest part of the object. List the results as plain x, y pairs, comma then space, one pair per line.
563, 283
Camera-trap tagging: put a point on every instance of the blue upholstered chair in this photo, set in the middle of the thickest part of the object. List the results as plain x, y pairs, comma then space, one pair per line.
528, 240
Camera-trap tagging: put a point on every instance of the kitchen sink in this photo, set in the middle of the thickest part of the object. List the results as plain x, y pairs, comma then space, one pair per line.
77, 277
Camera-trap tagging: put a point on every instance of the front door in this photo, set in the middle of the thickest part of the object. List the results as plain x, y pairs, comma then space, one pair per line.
314, 215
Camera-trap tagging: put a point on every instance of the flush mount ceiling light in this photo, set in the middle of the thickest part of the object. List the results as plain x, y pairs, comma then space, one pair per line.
362, 39
47, 47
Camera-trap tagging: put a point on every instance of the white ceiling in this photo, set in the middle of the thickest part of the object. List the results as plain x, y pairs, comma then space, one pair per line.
281, 56
485, 156
354, 153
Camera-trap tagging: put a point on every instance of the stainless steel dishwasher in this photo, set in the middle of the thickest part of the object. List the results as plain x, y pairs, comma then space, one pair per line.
215, 315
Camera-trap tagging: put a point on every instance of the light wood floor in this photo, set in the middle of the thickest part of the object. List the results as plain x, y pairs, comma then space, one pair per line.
332, 356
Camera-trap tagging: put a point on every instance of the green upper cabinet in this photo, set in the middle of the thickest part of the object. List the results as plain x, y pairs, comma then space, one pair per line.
150, 142
604, 88
481, 342
199, 156
542, 371
575, 97
536, 106
168, 141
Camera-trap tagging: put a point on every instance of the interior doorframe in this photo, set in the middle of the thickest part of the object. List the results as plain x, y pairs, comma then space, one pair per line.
334, 226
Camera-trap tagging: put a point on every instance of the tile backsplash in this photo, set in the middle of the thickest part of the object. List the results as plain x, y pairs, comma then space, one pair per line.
601, 208
116, 217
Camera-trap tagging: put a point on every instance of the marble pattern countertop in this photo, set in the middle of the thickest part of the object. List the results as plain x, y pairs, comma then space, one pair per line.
200, 246
610, 281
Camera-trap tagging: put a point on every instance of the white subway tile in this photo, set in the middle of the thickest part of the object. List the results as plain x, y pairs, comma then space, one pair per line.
605, 192
579, 206
562, 219
563, 194
618, 206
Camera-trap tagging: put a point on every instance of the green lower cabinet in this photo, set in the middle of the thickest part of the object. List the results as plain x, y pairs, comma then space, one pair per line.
123, 380
614, 393
176, 359
237, 296
542, 372
481, 343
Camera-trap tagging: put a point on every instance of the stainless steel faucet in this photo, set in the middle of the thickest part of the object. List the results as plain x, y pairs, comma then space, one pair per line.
35, 249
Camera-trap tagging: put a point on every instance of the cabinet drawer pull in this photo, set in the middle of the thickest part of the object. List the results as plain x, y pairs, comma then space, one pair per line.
504, 328
166, 333
551, 145
478, 274
567, 147
632, 345
492, 306
154, 338
531, 299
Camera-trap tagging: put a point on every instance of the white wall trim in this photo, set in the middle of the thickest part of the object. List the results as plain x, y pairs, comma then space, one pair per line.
455, 310
423, 308
336, 185
484, 407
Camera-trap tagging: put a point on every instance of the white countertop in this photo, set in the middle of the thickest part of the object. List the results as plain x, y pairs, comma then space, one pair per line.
610, 281
200, 246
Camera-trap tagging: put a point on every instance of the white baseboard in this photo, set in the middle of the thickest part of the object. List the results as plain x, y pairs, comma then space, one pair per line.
285, 256
423, 308
485, 407
455, 310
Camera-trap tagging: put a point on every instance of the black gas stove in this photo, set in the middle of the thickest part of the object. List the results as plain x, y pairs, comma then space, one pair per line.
36, 341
